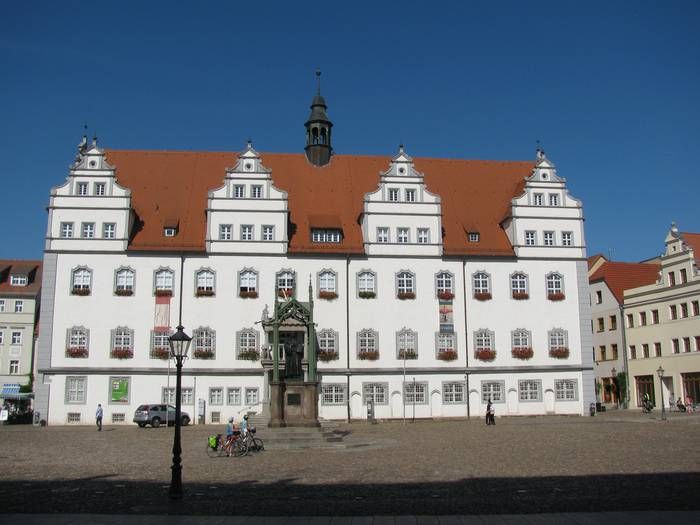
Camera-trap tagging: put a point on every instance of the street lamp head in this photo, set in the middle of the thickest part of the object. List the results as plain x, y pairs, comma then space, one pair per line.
179, 343
660, 371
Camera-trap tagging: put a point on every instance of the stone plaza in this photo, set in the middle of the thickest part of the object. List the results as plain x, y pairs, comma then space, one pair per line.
521, 466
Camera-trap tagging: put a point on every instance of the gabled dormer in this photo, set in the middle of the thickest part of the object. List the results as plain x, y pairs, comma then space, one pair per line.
248, 214
545, 220
674, 241
401, 217
679, 263
90, 211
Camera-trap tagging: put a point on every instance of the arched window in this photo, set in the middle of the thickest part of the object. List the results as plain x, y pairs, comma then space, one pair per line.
205, 282
366, 284
481, 282
204, 342
286, 282
558, 343
327, 345
77, 342
124, 281
327, 284
555, 286
519, 286
81, 281
122, 343
163, 282
367, 345
484, 341
444, 285
406, 344
247, 342
248, 283
405, 285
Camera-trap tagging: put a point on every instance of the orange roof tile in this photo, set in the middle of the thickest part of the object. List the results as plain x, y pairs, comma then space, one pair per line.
621, 276
693, 240
475, 196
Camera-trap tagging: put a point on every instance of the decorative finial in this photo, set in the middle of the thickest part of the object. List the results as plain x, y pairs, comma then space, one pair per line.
539, 152
318, 81
94, 141
400, 148
250, 143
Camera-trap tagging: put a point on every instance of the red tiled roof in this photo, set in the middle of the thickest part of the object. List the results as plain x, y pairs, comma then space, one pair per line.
30, 268
475, 196
621, 276
593, 259
693, 240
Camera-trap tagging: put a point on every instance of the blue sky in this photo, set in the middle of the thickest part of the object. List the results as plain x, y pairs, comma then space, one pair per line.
611, 89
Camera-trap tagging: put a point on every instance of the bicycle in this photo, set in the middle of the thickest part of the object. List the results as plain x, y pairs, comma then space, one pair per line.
218, 445
252, 443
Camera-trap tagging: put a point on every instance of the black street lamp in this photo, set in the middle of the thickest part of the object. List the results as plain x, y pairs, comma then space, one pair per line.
660, 371
179, 345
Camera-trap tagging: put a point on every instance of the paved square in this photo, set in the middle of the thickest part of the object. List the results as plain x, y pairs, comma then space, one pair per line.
617, 461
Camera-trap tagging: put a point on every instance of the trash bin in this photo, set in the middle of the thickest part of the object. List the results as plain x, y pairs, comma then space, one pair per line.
591, 409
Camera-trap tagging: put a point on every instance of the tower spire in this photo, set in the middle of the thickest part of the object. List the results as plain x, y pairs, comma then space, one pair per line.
318, 129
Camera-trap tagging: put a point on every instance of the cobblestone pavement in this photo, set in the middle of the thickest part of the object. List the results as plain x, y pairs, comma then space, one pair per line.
612, 462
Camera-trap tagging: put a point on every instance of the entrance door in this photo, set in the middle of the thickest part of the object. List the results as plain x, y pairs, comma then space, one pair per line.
691, 386
645, 385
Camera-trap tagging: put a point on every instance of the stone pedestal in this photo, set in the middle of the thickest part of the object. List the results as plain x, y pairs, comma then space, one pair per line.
294, 404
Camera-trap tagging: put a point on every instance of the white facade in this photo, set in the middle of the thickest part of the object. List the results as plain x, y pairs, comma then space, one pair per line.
388, 296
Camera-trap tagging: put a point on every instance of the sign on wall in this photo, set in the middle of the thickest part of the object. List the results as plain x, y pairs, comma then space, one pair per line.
119, 390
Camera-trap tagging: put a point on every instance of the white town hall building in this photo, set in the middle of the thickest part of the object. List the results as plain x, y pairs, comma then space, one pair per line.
433, 285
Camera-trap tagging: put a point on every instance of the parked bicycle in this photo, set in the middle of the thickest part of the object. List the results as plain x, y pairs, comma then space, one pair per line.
219, 445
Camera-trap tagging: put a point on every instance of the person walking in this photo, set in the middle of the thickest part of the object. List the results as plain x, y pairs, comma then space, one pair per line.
98, 417
488, 412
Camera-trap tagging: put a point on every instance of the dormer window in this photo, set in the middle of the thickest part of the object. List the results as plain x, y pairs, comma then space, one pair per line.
256, 192
554, 199
18, 280
538, 199
393, 194
238, 192
328, 235
410, 195
82, 188
473, 236
99, 188
169, 232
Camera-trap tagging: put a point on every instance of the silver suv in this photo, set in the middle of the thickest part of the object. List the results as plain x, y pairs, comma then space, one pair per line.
154, 415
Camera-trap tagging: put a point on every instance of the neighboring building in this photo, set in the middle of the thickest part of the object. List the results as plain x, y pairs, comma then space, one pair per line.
20, 286
608, 280
433, 284
662, 323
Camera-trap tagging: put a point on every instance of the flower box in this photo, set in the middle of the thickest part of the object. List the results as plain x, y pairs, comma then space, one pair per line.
409, 354
519, 296
446, 296
372, 355
203, 354
522, 353
248, 294
249, 355
121, 353
327, 295
556, 296
80, 291
327, 356
76, 352
406, 295
447, 355
123, 292
485, 354
285, 292
160, 353
367, 295
164, 293
559, 352
482, 296
201, 292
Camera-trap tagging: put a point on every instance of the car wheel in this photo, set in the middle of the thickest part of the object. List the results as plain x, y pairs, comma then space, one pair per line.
142, 425
185, 421
155, 422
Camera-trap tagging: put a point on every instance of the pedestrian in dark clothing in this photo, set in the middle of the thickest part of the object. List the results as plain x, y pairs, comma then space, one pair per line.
488, 412
98, 417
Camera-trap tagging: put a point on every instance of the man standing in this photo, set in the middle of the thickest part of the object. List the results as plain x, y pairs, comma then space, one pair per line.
98, 417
